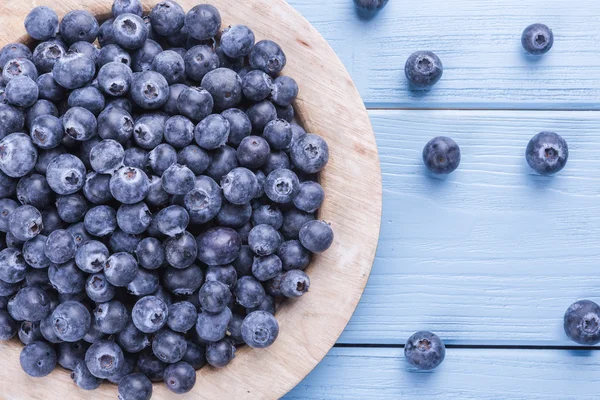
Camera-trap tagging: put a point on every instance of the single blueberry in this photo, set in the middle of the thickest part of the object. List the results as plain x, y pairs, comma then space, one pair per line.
121, 269
423, 69
309, 153
66, 278
60, 246
183, 282
34, 190
316, 236
38, 359
424, 350
294, 283
142, 58
88, 97
115, 123
309, 197
182, 316
278, 133
45, 56
199, 60
131, 339
225, 87
101, 221
111, 317
127, 7
239, 125
268, 57
293, 255
115, 79
150, 90
181, 251
212, 132
260, 329
129, 185
180, 377
203, 21
220, 353
167, 18
99, 290
41, 23
282, 186
135, 387
239, 186
80, 124
223, 160
249, 292
178, 180
537, 39
25, 222
71, 321
582, 322
104, 358
31, 303
260, 114
172, 221
129, 31
233, 215
284, 91
213, 327
169, 346
218, 246
149, 314
237, 41
170, 65
96, 188
195, 103
253, 152
441, 155
47, 132
74, 70
547, 153
83, 378
144, 284
150, 253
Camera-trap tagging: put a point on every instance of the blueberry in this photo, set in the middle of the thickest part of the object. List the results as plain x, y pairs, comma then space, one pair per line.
278, 133
218, 246
142, 58
204, 201
34, 190
183, 282
65, 174
293, 255
167, 18
441, 155
47, 132
282, 186
145, 283
127, 7
268, 57
225, 274
182, 316
14, 50
99, 290
113, 53
7, 206
60, 246
49, 89
115, 78
181, 250
253, 152
131, 339
243, 263
212, 132
135, 157
42, 23
424, 350
19, 67
148, 131
134, 218
149, 314
537, 39
267, 305
121, 269
260, 114
79, 233
25, 222
309, 153
80, 124
107, 156
86, 48
83, 378
115, 123
423, 69
195, 355
150, 253
180, 377
31, 303
172, 221
239, 125
316, 236
89, 98
199, 60
96, 188
150, 90
79, 25
268, 214
169, 346
179, 132
178, 180
47, 330
22, 91
267, 267
45, 56
38, 359
249, 292
91, 256
129, 31
225, 87
161, 158
170, 65
157, 196
286, 113
123, 242
135, 387
213, 327
29, 332
214, 296
41, 166
106, 33
370, 5
237, 41
34, 252
309, 197
284, 91
547, 153
104, 358
129, 185
294, 283
74, 70
13, 120
220, 353
195, 103
234, 216
111, 317
239, 186
66, 278
175, 91
582, 322
18, 155
101, 221
223, 160
260, 329
71, 321
293, 221
151, 366
203, 22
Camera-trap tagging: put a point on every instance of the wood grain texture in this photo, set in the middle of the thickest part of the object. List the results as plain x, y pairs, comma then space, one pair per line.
479, 44
492, 254
465, 374
328, 104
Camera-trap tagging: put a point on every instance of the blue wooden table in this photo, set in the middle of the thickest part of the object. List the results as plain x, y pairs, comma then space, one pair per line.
490, 257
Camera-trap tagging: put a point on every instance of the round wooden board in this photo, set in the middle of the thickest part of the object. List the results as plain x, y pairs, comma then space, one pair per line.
328, 104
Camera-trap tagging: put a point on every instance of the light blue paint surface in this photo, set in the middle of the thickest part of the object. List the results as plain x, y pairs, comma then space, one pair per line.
492, 255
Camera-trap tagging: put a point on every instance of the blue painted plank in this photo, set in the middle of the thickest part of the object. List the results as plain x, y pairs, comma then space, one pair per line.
479, 44
466, 374
493, 253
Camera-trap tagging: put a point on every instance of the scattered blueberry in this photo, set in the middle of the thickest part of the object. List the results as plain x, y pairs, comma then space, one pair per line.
582, 322
423, 69
547, 153
424, 350
441, 155
537, 39
135, 387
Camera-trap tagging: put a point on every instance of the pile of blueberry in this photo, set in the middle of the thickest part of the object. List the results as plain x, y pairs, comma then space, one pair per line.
157, 199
